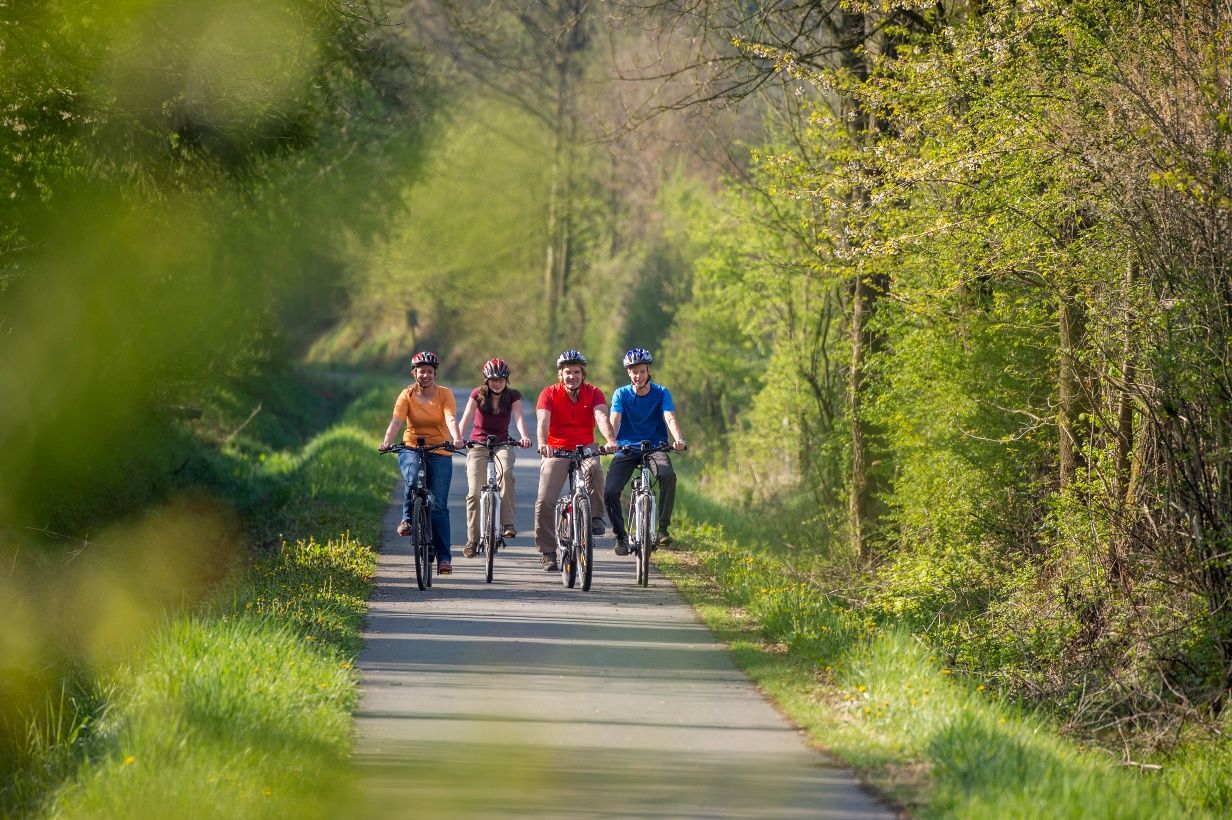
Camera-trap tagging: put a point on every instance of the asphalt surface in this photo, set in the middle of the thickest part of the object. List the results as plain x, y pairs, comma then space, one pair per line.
522, 698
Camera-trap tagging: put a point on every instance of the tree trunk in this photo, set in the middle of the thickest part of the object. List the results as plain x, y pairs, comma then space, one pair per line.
1072, 326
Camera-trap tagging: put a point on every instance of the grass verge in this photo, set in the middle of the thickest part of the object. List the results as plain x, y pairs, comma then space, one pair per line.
875, 697
241, 706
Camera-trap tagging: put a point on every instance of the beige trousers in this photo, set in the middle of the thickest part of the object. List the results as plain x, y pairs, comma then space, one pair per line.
553, 473
477, 476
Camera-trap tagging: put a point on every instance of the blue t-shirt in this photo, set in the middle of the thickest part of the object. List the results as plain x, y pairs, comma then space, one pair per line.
641, 417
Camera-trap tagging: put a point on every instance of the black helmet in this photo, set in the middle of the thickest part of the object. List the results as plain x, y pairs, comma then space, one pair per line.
637, 355
570, 356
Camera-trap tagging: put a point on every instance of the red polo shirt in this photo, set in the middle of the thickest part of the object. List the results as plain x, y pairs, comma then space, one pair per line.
572, 422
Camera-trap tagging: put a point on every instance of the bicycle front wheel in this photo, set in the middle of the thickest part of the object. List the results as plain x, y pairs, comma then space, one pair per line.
646, 537
420, 544
490, 506
584, 546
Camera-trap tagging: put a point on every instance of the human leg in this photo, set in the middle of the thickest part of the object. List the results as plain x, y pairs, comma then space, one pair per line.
553, 472
476, 474
440, 475
504, 474
618, 472
594, 489
408, 463
665, 475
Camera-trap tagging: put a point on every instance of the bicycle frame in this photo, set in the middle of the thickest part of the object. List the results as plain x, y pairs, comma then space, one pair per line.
643, 519
490, 539
575, 546
422, 504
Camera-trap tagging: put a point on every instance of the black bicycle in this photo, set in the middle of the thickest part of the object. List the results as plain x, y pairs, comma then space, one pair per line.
575, 543
643, 518
490, 525
421, 510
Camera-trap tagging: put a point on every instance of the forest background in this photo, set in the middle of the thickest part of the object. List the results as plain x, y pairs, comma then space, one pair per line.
948, 283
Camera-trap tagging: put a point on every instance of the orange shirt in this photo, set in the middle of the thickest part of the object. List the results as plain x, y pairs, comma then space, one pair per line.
425, 418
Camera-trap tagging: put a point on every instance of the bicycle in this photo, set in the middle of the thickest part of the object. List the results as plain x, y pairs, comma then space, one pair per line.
490, 525
643, 516
575, 544
421, 511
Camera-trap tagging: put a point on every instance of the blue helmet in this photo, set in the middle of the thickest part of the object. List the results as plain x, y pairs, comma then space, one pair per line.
637, 355
570, 356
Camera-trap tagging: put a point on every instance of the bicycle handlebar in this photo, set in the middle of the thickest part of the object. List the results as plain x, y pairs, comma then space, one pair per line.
645, 447
419, 448
513, 442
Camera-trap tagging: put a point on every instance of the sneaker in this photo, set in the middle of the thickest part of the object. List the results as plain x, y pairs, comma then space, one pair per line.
596, 526
622, 545
469, 551
549, 562
664, 539
443, 568
509, 532
404, 528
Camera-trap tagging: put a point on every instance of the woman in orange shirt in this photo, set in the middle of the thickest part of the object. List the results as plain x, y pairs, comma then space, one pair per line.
428, 411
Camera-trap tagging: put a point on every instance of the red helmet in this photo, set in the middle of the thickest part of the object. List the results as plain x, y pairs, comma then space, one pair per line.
496, 369
425, 357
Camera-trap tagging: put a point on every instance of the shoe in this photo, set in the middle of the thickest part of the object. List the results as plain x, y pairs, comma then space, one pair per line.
404, 528
664, 539
443, 568
469, 551
622, 545
509, 532
596, 526
549, 562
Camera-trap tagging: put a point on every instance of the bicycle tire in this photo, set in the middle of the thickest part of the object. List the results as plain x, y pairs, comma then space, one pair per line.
419, 546
568, 560
643, 527
585, 542
490, 507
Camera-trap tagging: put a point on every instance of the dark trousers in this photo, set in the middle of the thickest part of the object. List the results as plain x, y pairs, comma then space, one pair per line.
622, 468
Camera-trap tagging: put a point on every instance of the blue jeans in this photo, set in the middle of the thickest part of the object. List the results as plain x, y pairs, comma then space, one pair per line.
439, 470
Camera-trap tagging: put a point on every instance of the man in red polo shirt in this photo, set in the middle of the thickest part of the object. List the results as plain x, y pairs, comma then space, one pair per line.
567, 414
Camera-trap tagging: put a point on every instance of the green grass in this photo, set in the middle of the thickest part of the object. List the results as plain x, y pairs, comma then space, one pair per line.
877, 698
238, 705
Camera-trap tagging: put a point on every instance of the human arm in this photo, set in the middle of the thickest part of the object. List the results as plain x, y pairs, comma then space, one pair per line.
468, 414
673, 427
520, 422
542, 419
605, 427
395, 425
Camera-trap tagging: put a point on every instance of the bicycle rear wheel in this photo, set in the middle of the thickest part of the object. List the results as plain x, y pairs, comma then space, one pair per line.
645, 538
585, 544
420, 543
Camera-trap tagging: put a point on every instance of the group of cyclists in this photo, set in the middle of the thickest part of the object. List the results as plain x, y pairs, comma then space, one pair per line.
567, 413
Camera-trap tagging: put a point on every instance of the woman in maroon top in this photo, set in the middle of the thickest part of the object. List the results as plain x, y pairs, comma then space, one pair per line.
493, 405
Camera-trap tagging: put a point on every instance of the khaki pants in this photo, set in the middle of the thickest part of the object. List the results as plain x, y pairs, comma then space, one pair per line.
477, 476
553, 473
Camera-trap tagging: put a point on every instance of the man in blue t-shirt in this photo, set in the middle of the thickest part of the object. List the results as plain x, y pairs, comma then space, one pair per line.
641, 411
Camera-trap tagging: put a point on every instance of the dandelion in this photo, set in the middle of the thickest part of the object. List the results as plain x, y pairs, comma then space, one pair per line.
980, 688
129, 760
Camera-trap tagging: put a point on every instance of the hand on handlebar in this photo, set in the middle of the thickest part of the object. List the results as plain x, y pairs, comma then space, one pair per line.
679, 446
524, 443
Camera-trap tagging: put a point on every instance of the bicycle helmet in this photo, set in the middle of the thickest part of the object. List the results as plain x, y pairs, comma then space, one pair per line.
496, 369
570, 356
425, 357
637, 355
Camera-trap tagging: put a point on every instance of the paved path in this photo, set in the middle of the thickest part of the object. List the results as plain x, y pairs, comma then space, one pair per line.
523, 698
